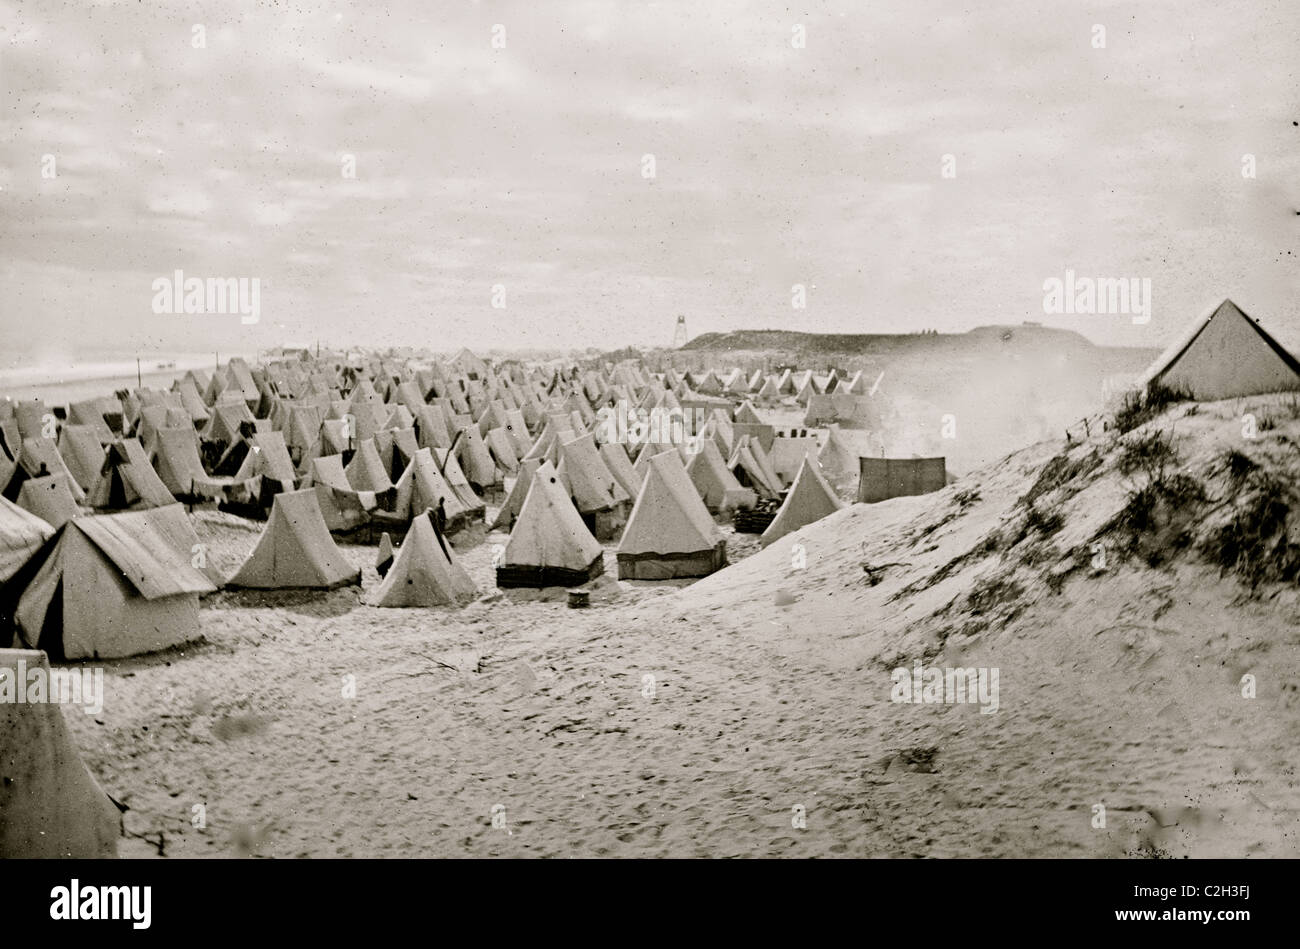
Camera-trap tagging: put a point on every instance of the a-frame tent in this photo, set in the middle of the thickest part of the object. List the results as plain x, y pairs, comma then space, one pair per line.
128, 481
295, 549
1222, 355
810, 499
424, 573
714, 482
82, 453
113, 585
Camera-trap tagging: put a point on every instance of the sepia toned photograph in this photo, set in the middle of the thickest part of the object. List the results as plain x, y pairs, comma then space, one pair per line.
626, 430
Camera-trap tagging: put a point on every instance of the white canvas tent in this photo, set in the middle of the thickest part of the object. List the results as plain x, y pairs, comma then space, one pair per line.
514, 502
1222, 355
550, 545
424, 574
113, 585
295, 549
810, 499
714, 482
49, 499
22, 534
52, 806
670, 533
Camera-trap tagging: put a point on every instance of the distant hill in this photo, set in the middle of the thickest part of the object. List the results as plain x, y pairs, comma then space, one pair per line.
1007, 386
1023, 336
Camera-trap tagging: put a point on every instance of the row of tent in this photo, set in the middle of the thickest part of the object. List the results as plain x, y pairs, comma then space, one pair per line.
123, 582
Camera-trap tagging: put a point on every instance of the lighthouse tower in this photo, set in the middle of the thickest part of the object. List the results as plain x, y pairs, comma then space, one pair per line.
679, 337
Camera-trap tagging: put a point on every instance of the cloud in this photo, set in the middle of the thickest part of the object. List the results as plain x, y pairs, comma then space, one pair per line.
774, 164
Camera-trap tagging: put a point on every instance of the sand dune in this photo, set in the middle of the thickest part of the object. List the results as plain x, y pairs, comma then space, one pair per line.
1119, 687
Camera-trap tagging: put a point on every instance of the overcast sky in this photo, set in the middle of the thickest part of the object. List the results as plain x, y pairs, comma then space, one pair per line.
522, 166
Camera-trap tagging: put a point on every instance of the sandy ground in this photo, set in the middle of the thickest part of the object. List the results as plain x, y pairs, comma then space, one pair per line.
770, 702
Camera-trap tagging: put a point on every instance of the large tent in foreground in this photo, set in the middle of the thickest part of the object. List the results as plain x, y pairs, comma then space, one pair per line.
424, 572
296, 549
810, 499
1222, 355
52, 806
114, 585
550, 545
670, 533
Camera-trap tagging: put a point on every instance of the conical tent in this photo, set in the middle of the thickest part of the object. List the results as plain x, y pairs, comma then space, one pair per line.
423, 573
475, 459
295, 549
714, 482
518, 431
52, 805
431, 421
549, 546
366, 471
810, 499
749, 472
193, 402
422, 485
176, 459
32, 416
835, 457
1223, 355
475, 509
839, 463
620, 466
396, 447
765, 463
502, 449
223, 426
49, 499
670, 533
807, 390
592, 485
518, 492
